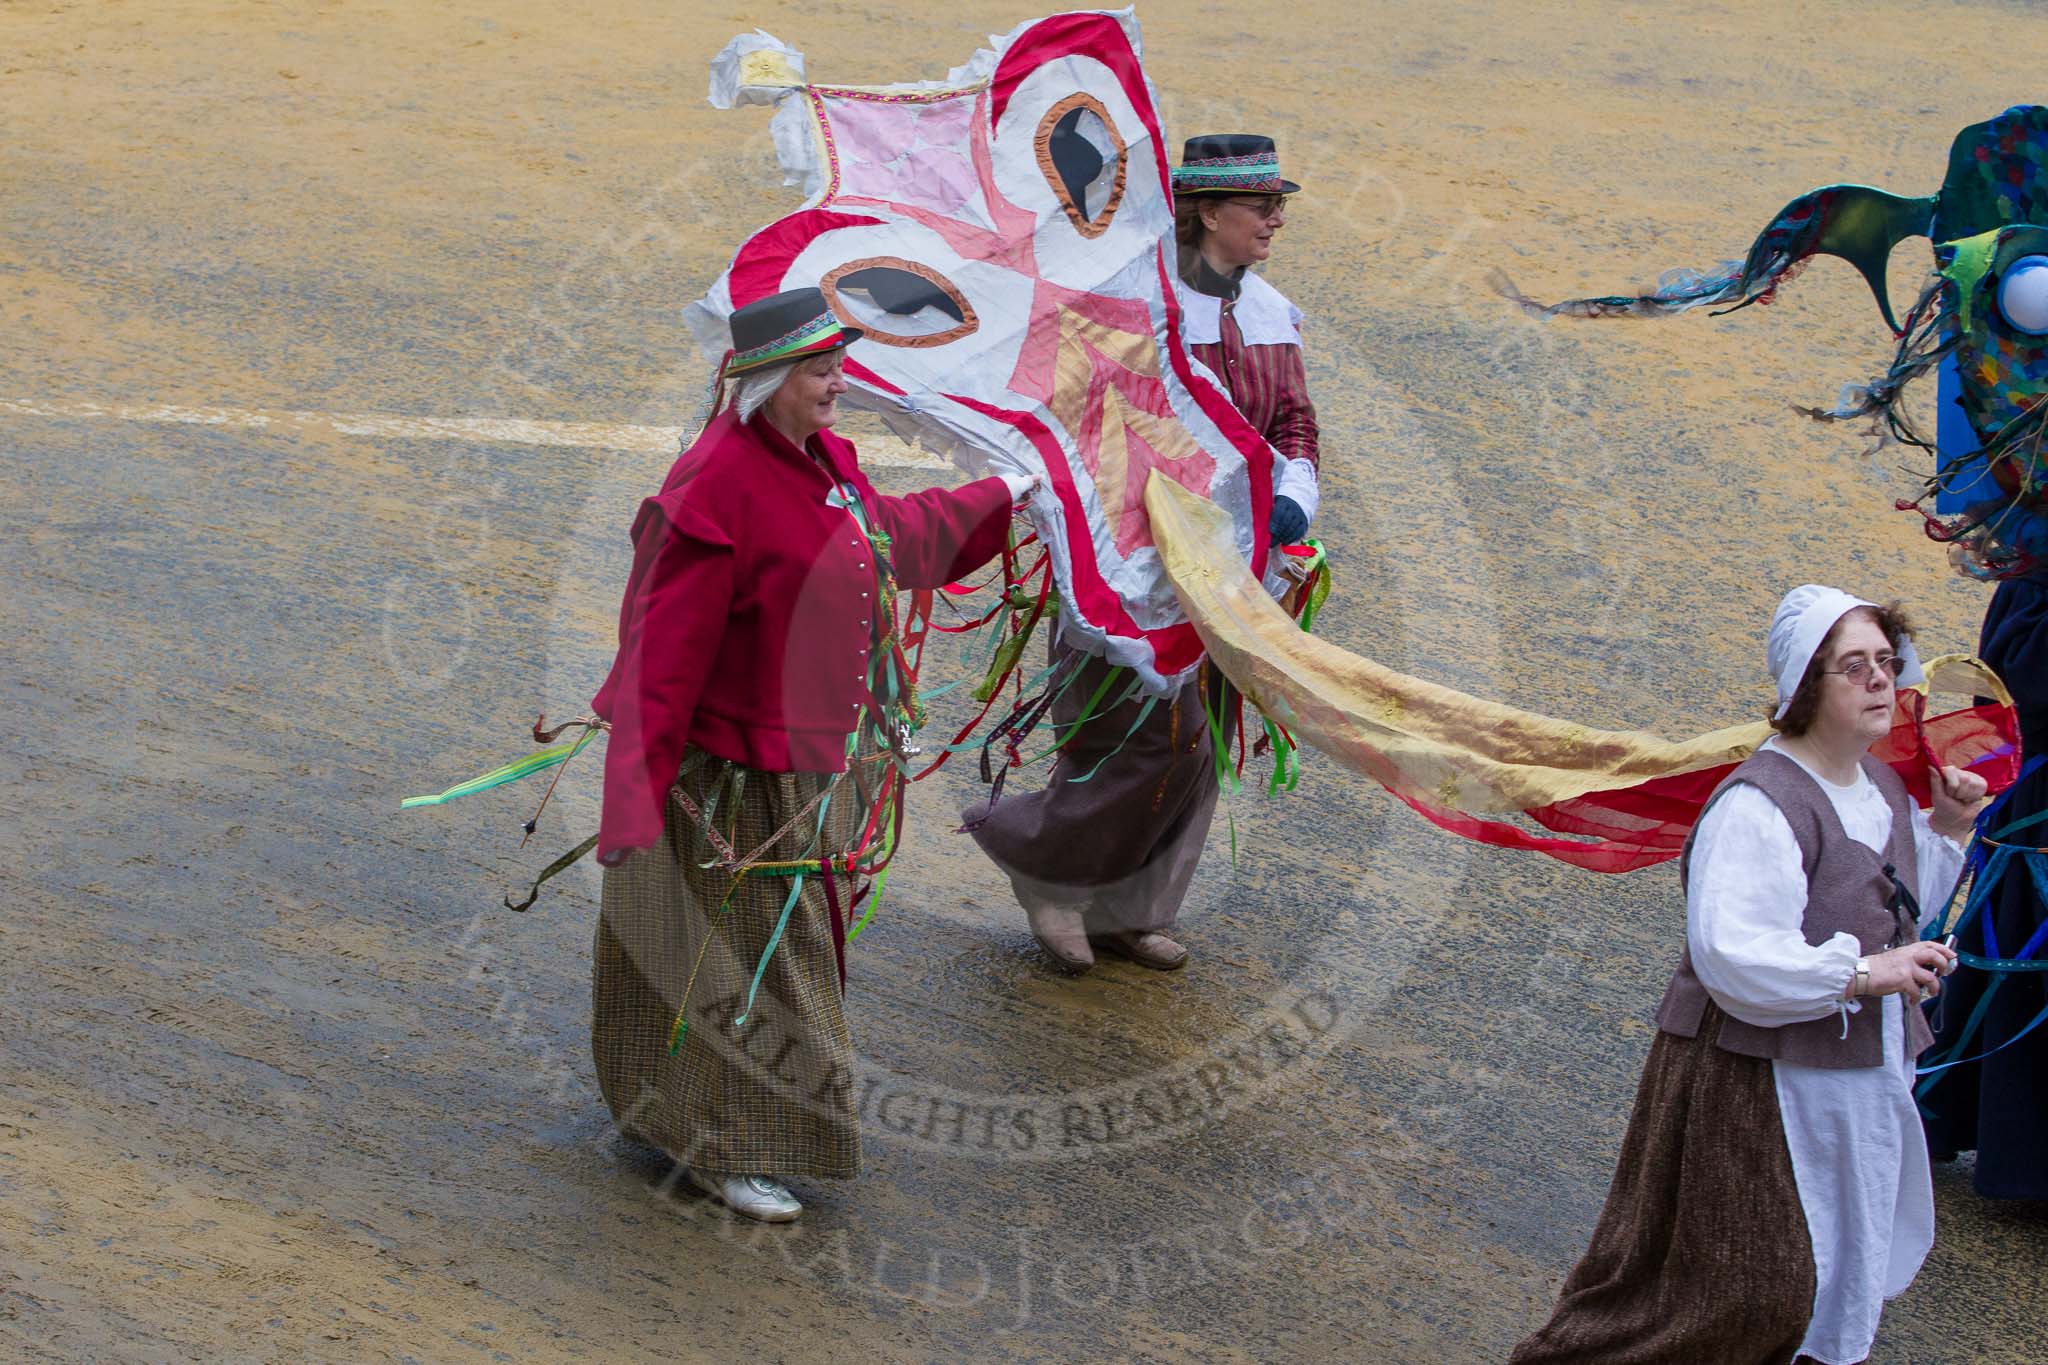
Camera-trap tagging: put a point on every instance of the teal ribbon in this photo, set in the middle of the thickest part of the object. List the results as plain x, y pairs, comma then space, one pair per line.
1931, 1074
796, 886
1992, 869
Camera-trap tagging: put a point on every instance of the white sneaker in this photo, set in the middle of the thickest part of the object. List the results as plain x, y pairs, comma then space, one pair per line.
755, 1196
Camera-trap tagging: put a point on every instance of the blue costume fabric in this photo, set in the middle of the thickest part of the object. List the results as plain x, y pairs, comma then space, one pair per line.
1999, 1107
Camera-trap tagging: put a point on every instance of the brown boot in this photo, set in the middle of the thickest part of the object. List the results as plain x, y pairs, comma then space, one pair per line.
1062, 933
1146, 947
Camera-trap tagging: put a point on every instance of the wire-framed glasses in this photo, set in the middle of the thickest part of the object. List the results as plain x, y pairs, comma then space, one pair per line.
1859, 671
1265, 205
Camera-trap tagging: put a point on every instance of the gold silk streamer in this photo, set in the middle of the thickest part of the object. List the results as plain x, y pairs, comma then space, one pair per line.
1964, 675
1416, 738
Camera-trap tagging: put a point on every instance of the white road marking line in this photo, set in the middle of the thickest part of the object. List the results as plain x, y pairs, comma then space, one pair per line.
878, 451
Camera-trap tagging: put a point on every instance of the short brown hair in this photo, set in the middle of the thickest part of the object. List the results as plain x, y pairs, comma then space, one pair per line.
1798, 717
1188, 230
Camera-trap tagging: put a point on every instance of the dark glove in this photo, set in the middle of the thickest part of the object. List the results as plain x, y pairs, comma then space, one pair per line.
1288, 523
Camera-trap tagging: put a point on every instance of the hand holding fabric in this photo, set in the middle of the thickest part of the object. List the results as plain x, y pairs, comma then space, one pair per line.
1020, 484
1289, 523
1957, 795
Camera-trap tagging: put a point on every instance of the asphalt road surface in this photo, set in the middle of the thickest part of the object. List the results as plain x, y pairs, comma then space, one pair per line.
278, 286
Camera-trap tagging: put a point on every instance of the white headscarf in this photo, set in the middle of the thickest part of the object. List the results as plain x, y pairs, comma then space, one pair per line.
1801, 622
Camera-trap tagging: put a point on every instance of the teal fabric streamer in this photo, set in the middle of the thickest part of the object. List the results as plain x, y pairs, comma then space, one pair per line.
796, 886
1992, 867
1931, 1074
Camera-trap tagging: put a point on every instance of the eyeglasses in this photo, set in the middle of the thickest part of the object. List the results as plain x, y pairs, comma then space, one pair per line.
1266, 205
1859, 671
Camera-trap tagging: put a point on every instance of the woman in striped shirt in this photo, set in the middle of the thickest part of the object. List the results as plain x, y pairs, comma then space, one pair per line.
1103, 864
1229, 201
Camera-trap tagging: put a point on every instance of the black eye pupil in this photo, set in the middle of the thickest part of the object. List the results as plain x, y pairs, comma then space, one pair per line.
900, 292
1074, 157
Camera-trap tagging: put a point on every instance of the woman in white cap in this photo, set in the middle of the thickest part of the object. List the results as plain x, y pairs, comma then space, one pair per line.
1773, 1185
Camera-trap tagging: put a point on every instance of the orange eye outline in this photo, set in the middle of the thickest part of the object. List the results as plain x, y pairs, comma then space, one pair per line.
1077, 213
870, 332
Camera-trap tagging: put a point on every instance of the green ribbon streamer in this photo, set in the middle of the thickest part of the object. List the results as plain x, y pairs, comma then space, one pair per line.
1320, 593
511, 772
1006, 656
558, 865
1286, 760
1087, 710
874, 899
1219, 749
1143, 711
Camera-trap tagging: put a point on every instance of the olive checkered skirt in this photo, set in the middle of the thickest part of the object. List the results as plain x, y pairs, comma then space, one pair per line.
771, 1096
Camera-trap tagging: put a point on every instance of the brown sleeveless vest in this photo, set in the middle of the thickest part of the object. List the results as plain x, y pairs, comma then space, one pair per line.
1846, 892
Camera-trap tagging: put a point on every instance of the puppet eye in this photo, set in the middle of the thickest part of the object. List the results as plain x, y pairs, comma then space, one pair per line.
2023, 295
1082, 158
899, 302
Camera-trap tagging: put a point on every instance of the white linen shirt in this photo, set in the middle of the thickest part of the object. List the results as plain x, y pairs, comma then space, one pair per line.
1858, 1157
1746, 898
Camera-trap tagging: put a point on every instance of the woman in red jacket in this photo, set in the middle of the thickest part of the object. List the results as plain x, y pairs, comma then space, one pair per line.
747, 705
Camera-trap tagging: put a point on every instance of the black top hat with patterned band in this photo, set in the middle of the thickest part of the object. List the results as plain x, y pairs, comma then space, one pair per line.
1230, 163
785, 326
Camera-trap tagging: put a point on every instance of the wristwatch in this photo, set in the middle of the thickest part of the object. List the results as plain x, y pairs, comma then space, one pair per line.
1860, 983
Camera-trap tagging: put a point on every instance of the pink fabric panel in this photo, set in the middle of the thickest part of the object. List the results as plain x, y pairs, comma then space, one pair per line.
910, 154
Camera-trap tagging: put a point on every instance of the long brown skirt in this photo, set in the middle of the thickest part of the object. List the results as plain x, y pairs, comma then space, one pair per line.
1702, 1253
772, 1095
1123, 845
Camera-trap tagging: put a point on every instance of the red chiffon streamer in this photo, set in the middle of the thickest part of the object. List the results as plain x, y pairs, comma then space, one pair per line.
1629, 828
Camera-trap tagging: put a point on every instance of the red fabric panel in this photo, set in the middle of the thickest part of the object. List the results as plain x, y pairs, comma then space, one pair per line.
1985, 738
857, 371
1173, 649
764, 259
1603, 856
1097, 36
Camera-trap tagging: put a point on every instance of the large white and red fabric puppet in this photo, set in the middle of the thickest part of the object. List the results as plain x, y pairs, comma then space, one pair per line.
1004, 237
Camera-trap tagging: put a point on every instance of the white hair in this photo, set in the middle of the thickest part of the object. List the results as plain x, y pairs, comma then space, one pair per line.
751, 392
